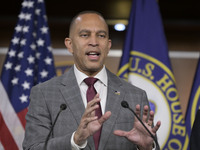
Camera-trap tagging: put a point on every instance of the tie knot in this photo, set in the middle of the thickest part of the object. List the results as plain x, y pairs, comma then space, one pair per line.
90, 81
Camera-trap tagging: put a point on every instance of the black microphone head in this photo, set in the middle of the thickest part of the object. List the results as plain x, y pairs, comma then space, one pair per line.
124, 104
63, 106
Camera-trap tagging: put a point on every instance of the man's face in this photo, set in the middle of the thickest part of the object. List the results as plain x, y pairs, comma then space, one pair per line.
89, 43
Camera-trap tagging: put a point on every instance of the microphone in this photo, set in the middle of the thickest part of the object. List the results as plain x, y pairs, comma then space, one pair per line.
126, 105
62, 107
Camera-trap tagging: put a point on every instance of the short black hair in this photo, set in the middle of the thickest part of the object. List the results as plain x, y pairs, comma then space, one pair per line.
82, 13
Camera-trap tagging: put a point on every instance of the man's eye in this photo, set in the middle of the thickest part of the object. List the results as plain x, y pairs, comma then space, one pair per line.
102, 35
84, 35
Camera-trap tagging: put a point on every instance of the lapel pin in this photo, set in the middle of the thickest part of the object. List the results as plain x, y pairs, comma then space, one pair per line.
117, 92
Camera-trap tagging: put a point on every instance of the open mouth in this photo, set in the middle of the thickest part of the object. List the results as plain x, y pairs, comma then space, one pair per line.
93, 54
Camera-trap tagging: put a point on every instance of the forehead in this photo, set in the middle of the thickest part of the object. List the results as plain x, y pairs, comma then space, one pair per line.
90, 22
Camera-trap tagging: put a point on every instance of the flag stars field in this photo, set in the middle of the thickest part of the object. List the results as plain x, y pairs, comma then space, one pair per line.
25, 29
15, 81
8, 65
26, 85
15, 40
29, 72
25, 16
27, 4
44, 30
20, 55
33, 46
17, 68
23, 42
12, 53
40, 1
34, 34
48, 61
37, 12
50, 48
29, 61
18, 28
40, 42
23, 98
44, 74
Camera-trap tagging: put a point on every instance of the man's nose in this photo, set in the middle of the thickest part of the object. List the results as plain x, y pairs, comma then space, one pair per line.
93, 41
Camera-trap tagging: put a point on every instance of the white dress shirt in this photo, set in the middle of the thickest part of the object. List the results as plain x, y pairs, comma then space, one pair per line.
101, 87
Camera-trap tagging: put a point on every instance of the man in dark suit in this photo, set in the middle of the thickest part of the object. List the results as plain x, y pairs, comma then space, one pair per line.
89, 43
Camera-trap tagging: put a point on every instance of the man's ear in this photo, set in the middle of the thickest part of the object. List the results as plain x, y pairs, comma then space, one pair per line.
109, 44
68, 44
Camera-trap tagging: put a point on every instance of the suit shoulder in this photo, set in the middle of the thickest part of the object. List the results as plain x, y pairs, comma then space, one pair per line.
49, 83
125, 84
55, 81
131, 86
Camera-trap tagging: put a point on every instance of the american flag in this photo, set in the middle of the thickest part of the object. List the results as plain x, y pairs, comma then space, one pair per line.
29, 61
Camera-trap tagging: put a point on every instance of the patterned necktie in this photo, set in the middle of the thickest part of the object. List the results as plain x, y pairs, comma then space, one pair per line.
91, 92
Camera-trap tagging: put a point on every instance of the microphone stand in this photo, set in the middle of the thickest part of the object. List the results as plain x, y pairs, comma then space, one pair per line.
62, 107
126, 105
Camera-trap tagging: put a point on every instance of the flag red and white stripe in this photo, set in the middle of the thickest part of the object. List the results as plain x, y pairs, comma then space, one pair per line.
11, 129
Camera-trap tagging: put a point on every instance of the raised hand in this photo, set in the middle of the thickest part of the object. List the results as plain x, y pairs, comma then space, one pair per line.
89, 122
138, 135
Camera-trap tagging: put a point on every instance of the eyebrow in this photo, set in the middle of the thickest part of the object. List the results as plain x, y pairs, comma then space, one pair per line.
88, 31
84, 30
102, 31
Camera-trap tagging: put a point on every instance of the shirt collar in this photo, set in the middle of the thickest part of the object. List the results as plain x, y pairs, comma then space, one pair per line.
102, 76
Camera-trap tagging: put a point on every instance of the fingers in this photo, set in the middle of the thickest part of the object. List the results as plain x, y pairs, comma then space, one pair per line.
156, 127
151, 118
147, 117
145, 113
137, 111
105, 117
91, 106
120, 133
87, 120
89, 114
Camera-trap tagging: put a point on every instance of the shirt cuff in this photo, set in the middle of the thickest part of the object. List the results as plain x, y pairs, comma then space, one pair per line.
75, 146
154, 146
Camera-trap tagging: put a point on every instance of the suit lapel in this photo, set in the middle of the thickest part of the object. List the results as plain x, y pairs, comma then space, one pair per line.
115, 95
71, 93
